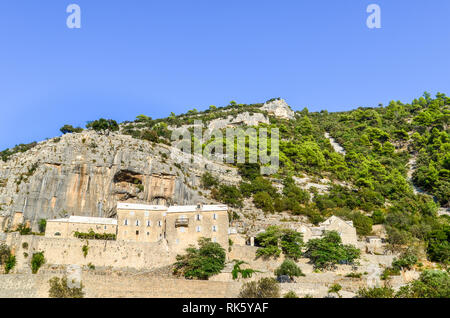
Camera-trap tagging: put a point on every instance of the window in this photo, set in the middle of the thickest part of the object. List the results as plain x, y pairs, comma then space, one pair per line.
57, 234
137, 222
146, 213
214, 228
159, 223
198, 217
199, 229
104, 227
148, 223
131, 213
215, 216
148, 233
182, 229
137, 232
214, 240
125, 222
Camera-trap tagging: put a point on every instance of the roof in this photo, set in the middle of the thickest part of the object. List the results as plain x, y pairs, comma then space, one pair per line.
87, 220
193, 208
137, 206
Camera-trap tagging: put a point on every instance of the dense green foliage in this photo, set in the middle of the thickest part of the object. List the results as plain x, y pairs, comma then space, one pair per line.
376, 292
37, 261
289, 268
431, 284
7, 260
103, 125
329, 251
275, 241
202, 262
68, 129
263, 288
59, 288
95, 236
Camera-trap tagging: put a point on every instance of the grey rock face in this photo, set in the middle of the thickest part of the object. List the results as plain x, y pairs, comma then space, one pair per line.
87, 173
279, 108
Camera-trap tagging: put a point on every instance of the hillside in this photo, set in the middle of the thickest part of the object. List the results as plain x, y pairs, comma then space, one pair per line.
386, 165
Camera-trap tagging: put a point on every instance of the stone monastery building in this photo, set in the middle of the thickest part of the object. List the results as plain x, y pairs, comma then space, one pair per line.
180, 226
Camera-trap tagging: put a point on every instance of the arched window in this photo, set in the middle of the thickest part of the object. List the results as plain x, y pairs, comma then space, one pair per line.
137, 223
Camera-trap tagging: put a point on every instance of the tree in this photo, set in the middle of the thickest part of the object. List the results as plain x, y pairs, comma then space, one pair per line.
274, 241
328, 251
103, 125
265, 288
68, 129
59, 288
431, 284
289, 268
202, 262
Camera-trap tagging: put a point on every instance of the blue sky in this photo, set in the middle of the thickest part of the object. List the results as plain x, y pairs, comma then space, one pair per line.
153, 57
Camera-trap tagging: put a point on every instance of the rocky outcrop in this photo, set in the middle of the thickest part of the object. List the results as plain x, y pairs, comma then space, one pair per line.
87, 173
279, 108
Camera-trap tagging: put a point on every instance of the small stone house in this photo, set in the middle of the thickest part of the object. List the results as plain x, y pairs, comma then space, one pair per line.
345, 229
66, 228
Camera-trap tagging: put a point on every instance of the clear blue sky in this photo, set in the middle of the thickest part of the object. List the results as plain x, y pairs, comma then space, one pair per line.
153, 57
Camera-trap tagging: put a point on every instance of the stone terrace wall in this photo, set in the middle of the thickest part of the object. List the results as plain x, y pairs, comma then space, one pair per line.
102, 285
117, 254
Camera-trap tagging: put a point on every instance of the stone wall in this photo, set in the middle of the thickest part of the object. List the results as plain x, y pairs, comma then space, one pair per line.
68, 251
103, 285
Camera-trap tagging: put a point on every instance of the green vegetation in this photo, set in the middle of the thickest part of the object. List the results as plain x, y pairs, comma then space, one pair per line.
85, 249
335, 289
264, 288
328, 251
289, 268
59, 288
7, 260
290, 294
103, 125
42, 225
5, 155
202, 262
95, 236
376, 292
431, 284
245, 273
405, 262
68, 129
275, 241
37, 261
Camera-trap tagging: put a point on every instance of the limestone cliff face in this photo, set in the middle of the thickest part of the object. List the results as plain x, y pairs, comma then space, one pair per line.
87, 173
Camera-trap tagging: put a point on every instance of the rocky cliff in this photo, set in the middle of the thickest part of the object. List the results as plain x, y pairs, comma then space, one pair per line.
87, 173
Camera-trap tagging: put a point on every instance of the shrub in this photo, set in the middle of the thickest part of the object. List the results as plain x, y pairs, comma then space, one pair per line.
10, 263
264, 288
335, 289
24, 245
376, 292
289, 268
290, 294
60, 289
5, 253
42, 225
85, 250
209, 181
202, 262
37, 261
